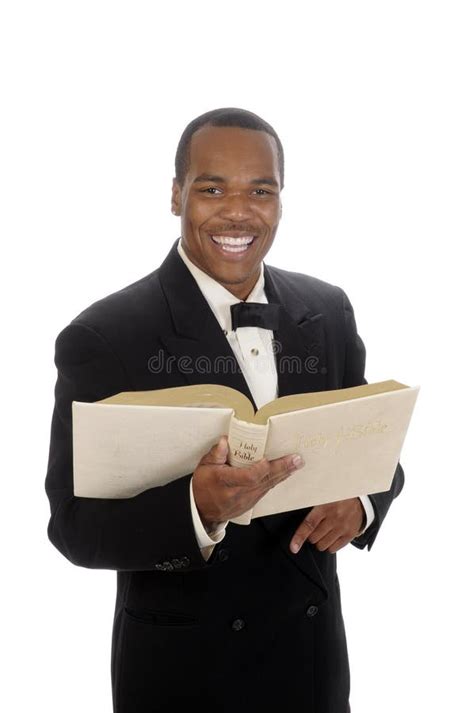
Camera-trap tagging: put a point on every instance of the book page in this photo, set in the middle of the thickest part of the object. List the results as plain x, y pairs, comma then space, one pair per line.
349, 448
194, 395
295, 402
120, 451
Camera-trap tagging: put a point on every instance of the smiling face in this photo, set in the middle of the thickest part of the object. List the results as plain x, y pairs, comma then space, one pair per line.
229, 204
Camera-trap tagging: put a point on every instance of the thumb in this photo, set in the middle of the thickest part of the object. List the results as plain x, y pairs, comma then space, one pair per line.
218, 453
221, 450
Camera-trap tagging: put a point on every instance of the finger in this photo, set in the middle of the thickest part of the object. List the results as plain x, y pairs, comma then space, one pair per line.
218, 453
252, 483
340, 516
339, 544
266, 474
248, 477
282, 468
294, 461
330, 539
310, 522
322, 530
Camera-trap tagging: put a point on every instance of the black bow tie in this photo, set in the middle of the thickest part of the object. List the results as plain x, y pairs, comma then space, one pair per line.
255, 314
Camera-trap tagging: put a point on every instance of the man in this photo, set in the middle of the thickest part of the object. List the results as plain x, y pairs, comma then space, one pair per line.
227, 617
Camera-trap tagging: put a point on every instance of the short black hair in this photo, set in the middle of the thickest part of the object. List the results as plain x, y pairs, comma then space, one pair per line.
228, 116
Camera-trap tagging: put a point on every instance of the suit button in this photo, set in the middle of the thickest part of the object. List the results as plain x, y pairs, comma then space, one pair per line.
223, 555
238, 624
312, 610
185, 561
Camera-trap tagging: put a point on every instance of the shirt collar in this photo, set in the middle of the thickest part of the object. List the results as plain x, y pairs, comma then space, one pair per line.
217, 296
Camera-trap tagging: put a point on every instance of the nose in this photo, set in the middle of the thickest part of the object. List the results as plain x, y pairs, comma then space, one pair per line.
236, 206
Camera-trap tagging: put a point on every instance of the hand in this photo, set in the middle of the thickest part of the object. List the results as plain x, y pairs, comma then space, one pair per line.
222, 492
330, 526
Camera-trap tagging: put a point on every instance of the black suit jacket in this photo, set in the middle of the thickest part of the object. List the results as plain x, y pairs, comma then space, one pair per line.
254, 626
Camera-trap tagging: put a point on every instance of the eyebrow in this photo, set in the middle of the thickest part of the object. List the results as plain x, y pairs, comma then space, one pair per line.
208, 177
268, 180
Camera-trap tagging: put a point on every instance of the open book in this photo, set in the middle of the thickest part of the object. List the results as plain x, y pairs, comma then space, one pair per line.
350, 440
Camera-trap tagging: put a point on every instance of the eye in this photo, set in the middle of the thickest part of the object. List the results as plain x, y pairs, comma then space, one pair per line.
262, 191
211, 188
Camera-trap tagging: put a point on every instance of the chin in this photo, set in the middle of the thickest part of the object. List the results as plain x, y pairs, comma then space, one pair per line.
229, 276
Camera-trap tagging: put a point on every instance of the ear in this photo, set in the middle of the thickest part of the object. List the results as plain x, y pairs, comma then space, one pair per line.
176, 198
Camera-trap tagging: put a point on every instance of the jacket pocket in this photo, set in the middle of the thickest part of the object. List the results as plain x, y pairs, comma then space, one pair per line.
160, 618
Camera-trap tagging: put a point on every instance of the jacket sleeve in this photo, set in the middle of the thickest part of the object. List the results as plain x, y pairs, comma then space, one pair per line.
151, 531
354, 368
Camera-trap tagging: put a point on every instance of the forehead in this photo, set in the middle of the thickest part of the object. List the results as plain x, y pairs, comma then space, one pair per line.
232, 151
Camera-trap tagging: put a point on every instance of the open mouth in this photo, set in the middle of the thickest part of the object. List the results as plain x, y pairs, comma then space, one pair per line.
232, 244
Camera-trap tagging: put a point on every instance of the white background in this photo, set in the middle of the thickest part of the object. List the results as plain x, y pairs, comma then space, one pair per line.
373, 102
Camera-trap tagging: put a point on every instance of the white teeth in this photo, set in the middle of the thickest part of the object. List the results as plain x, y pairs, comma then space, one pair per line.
229, 249
227, 240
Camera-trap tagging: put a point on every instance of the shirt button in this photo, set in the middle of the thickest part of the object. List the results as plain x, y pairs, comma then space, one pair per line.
254, 351
223, 555
312, 610
238, 624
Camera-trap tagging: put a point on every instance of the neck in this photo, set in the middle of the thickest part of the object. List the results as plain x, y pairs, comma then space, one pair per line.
240, 290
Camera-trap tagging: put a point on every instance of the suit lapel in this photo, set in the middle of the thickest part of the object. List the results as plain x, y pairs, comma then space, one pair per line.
300, 343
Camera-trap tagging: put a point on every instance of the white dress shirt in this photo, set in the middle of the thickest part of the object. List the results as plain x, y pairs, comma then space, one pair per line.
253, 351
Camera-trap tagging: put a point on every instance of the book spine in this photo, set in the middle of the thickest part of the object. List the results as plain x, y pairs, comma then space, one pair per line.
246, 442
